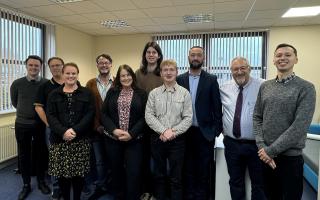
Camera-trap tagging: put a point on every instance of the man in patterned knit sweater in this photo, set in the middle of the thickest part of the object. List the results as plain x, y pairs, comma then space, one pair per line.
282, 115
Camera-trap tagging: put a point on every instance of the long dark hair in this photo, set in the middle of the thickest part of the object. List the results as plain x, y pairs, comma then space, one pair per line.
126, 67
145, 62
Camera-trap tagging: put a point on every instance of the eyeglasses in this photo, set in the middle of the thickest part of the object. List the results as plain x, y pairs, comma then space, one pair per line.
104, 63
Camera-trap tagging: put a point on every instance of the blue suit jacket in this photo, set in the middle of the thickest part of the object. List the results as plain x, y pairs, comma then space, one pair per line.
208, 104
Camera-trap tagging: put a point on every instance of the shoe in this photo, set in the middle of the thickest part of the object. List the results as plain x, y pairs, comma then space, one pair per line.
98, 192
24, 192
56, 195
145, 196
43, 187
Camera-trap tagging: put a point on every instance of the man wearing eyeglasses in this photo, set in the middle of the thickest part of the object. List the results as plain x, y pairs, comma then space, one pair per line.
99, 86
55, 66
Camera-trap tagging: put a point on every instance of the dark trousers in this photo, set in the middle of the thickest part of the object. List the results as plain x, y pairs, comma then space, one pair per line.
172, 151
125, 159
103, 172
65, 185
241, 155
147, 183
199, 155
286, 181
25, 136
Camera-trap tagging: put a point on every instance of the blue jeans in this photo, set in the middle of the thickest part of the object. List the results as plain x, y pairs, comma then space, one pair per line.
240, 155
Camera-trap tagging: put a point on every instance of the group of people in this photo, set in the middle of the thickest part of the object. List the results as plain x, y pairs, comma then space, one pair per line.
150, 134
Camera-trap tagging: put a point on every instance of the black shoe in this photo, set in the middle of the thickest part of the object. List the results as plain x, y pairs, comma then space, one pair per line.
24, 192
43, 187
56, 195
98, 192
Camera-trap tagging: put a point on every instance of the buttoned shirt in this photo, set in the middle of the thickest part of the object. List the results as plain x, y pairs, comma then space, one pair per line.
229, 93
169, 108
103, 87
193, 86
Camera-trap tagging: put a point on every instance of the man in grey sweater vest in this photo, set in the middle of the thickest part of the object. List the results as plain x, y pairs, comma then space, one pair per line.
282, 115
28, 127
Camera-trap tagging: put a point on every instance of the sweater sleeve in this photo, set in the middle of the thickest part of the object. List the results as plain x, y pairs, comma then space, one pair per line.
258, 120
14, 94
298, 129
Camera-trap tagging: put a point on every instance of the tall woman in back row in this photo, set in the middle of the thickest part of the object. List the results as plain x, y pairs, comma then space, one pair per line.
70, 112
123, 120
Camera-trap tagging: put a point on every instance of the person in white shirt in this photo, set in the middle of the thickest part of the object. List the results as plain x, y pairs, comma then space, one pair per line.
238, 97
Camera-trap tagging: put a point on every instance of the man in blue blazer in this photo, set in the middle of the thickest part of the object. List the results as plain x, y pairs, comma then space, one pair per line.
206, 125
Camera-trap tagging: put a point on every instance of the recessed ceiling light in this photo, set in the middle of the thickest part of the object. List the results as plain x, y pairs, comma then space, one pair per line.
302, 12
200, 18
115, 23
65, 1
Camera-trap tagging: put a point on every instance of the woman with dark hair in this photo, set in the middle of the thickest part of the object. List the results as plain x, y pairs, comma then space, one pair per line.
123, 120
70, 112
148, 76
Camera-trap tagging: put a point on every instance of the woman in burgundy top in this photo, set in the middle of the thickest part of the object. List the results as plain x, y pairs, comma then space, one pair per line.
123, 120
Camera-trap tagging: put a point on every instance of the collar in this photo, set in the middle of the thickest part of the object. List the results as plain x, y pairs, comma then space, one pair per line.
37, 79
54, 82
245, 86
170, 89
196, 75
287, 79
110, 79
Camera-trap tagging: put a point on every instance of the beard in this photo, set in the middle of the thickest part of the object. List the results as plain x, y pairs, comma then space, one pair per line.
195, 65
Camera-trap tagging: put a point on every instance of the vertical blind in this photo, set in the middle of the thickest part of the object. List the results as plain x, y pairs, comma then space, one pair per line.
20, 37
220, 48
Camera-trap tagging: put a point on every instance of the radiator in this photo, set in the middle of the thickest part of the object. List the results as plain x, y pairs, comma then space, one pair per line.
8, 144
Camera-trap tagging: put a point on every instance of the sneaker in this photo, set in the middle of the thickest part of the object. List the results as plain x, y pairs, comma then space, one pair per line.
24, 192
43, 187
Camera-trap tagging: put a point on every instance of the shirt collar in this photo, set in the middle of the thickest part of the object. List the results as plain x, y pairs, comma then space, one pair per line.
38, 78
197, 75
110, 79
171, 89
287, 79
246, 85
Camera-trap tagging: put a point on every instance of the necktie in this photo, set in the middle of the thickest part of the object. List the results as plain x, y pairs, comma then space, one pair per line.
237, 114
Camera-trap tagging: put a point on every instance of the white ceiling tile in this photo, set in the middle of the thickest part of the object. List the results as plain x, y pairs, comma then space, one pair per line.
70, 19
111, 5
234, 16
290, 22
273, 4
228, 25
200, 26
195, 9
140, 22
306, 3
98, 17
150, 29
185, 2
168, 20
266, 14
48, 11
83, 7
234, 6
88, 26
129, 14
174, 28
152, 3
25, 3
161, 12
104, 31
126, 30
258, 23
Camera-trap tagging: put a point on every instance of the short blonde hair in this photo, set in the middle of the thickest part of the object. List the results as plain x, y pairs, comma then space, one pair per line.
168, 62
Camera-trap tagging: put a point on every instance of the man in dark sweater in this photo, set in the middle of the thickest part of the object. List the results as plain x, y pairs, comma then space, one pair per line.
28, 127
55, 66
282, 115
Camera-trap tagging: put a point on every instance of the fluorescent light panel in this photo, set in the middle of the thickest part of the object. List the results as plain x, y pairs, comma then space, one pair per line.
302, 12
115, 23
200, 18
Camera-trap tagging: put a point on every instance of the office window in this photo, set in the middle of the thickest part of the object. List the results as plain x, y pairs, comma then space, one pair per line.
220, 49
19, 37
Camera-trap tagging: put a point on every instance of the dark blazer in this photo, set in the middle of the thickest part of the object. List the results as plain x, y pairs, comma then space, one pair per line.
208, 104
110, 117
82, 106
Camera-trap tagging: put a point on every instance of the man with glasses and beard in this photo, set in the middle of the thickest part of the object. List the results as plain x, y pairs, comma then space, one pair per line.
206, 125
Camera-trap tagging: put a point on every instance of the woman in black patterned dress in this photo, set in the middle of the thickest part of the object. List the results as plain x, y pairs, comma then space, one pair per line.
70, 115
123, 120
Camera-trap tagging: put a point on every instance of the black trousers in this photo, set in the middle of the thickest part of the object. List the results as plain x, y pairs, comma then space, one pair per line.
65, 185
286, 181
241, 155
125, 159
199, 155
28, 137
172, 151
